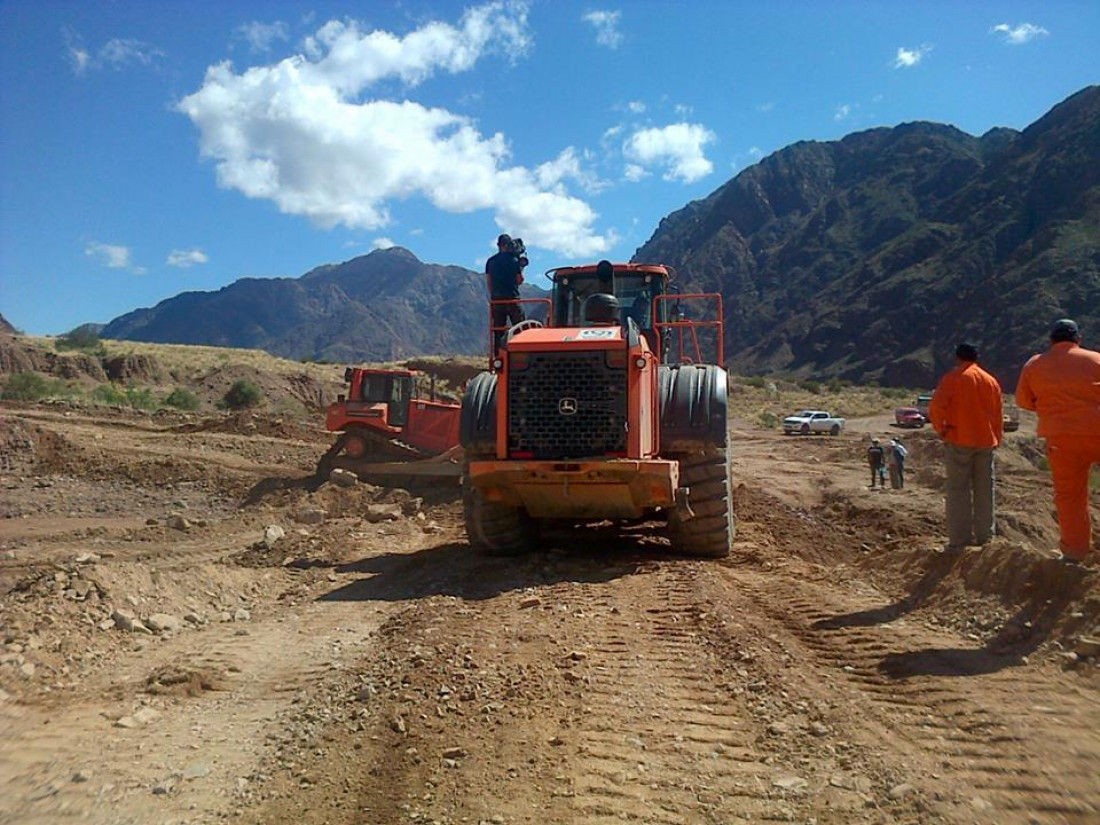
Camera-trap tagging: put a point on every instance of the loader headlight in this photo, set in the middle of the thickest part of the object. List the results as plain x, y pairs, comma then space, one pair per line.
498, 364
639, 362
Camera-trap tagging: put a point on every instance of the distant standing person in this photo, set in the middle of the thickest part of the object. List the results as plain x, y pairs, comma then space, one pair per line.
876, 459
1062, 385
966, 411
895, 460
503, 275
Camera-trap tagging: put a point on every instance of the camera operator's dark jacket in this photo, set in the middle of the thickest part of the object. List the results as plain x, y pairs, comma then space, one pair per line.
503, 270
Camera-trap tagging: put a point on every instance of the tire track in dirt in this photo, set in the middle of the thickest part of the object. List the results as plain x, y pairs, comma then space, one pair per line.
1026, 749
660, 741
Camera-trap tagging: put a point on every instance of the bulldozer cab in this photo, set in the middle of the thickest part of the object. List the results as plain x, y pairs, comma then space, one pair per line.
681, 328
394, 388
634, 287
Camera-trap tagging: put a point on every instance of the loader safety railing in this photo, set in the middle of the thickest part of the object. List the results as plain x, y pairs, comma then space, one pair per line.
689, 328
501, 312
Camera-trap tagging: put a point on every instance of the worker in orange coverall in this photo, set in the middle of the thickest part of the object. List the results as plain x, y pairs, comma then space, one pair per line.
1063, 386
966, 411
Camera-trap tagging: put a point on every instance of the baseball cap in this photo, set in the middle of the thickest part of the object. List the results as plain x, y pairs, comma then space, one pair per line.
1064, 329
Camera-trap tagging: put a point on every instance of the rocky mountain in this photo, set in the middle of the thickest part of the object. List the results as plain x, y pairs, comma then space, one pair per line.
866, 258
5, 326
870, 257
382, 306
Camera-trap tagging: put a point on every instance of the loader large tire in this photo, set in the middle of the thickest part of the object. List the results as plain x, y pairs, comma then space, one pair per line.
708, 530
495, 529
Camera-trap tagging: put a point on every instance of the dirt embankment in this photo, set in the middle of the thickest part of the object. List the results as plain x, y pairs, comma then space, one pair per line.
173, 653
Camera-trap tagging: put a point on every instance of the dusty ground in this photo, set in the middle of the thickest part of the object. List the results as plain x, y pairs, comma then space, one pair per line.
162, 663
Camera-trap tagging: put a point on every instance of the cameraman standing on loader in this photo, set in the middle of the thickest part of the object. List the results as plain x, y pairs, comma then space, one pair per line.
503, 275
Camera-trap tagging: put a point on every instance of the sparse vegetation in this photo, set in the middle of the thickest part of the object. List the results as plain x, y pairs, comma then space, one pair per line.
83, 340
181, 399
138, 398
26, 386
109, 394
30, 386
768, 420
242, 396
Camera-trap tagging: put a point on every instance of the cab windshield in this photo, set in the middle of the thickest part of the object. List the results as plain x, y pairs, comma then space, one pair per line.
635, 292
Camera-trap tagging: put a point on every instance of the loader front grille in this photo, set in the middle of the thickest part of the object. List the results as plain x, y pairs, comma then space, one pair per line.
567, 405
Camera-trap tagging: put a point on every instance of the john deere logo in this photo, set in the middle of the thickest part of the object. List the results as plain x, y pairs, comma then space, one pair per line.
567, 406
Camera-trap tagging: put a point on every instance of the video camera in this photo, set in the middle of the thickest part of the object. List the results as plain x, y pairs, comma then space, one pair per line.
520, 251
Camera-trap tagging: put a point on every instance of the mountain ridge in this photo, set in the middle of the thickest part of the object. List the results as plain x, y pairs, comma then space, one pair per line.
867, 258
864, 258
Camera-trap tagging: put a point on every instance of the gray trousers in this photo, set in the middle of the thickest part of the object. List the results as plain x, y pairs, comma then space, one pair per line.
970, 482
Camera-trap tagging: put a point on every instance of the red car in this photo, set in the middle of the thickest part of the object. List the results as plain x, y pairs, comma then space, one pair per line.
908, 417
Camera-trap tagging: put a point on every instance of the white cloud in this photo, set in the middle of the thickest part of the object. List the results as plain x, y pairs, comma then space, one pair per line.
636, 107
260, 37
907, 58
568, 166
766, 107
842, 111
118, 52
305, 133
184, 258
113, 256
677, 148
80, 59
382, 243
1020, 34
606, 24
634, 173
115, 53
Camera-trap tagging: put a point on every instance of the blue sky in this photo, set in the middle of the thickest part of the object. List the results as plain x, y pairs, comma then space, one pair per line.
152, 148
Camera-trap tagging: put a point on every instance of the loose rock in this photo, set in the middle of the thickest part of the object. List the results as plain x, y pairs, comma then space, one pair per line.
343, 478
164, 623
272, 533
178, 522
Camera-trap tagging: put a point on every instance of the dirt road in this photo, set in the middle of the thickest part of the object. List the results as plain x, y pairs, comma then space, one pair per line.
191, 637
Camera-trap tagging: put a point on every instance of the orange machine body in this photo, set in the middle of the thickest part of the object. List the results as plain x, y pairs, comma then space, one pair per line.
387, 403
611, 427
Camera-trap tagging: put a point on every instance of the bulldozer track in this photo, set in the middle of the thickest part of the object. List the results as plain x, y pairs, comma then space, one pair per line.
908, 678
669, 720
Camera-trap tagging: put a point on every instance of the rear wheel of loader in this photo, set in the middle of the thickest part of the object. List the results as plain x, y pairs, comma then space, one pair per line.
493, 528
707, 530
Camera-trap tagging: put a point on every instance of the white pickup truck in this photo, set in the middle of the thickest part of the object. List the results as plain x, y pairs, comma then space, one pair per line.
812, 421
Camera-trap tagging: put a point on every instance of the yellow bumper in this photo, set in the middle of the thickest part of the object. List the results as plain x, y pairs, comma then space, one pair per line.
615, 488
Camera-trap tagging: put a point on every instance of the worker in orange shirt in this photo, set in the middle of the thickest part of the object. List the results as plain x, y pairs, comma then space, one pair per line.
1063, 386
966, 411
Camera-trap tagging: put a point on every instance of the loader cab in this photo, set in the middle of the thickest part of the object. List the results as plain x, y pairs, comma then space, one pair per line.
392, 388
634, 287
